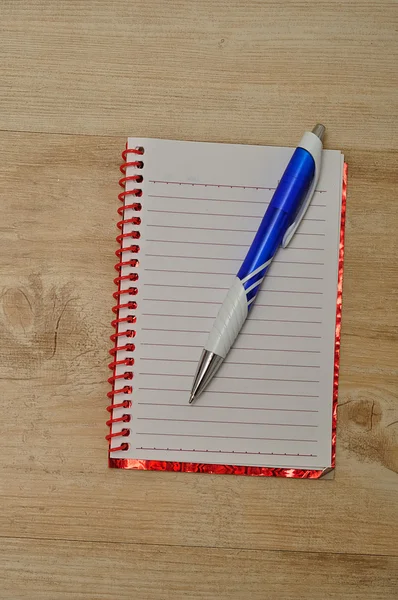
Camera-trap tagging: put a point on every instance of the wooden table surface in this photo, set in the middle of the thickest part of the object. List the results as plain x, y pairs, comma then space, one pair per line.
77, 77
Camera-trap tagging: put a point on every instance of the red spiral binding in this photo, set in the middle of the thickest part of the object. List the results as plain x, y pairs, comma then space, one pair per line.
121, 378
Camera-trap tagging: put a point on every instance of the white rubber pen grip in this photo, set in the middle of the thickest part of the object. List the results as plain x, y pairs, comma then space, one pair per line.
229, 320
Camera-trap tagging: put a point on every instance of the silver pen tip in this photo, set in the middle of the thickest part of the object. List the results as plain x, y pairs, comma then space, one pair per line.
191, 398
319, 130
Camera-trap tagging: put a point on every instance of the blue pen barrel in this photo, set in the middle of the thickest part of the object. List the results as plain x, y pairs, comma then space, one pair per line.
295, 183
266, 242
280, 214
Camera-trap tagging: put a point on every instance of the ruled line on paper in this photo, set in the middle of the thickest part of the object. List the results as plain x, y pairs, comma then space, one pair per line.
217, 288
262, 202
280, 262
285, 379
212, 318
228, 362
169, 345
209, 214
230, 273
219, 303
310, 337
223, 437
238, 261
195, 228
229, 452
220, 244
220, 185
230, 407
189, 257
225, 422
186, 391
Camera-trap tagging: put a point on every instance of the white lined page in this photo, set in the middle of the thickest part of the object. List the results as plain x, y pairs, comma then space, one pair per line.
271, 402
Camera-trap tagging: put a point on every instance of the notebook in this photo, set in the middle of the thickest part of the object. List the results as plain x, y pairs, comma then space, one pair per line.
188, 214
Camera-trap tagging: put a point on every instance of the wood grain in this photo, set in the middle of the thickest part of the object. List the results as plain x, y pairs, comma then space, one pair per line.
69, 570
251, 71
76, 79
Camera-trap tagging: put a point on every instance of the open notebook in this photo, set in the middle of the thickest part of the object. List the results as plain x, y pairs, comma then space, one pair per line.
190, 211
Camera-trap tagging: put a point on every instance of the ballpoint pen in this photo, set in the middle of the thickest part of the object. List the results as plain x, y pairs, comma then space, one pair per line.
280, 222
